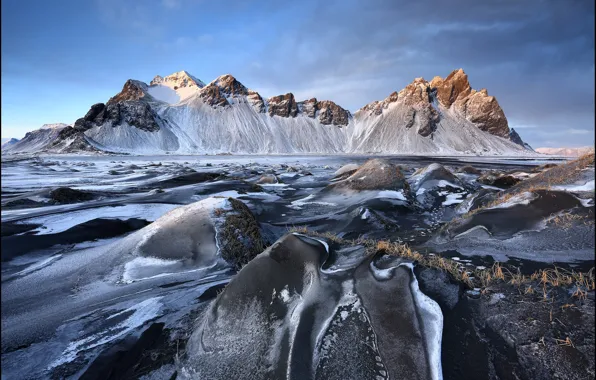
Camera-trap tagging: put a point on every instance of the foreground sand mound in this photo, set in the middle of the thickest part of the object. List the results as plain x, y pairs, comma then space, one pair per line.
201, 234
302, 310
432, 176
375, 174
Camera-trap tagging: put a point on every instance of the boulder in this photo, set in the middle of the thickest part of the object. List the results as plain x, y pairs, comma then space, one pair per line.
317, 304
433, 176
201, 234
345, 171
469, 170
67, 195
374, 174
498, 179
268, 179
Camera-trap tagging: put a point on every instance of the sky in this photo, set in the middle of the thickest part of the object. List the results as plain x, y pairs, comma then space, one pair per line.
535, 56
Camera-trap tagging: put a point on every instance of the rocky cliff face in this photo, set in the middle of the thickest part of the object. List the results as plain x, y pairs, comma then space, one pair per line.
212, 95
443, 116
257, 102
283, 105
422, 99
228, 85
128, 106
477, 106
329, 112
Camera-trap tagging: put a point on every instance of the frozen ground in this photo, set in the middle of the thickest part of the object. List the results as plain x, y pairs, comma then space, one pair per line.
73, 289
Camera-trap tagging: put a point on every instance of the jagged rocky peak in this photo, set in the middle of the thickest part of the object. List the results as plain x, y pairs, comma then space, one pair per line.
486, 113
415, 93
132, 90
328, 111
54, 126
453, 88
129, 106
283, 105
452, 92
331, 113
180, 79
212, 95
229, 85
309, 107
256, 100
377, 107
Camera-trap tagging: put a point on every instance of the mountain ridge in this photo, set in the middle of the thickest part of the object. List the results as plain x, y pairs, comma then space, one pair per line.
180, 114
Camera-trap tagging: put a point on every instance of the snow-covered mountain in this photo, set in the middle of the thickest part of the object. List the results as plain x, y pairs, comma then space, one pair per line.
37, 140
568, 152
180, 114
6, 141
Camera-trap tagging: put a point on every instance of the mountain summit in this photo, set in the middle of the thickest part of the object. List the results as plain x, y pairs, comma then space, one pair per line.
180, 114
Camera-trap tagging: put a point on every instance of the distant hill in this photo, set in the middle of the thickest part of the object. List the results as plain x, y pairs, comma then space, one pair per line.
568, 152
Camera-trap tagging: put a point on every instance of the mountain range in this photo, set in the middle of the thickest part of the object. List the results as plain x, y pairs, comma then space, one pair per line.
568, 152
180, 114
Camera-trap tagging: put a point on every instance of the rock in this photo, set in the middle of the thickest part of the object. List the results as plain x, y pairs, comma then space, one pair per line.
515, 137
377, 107
200, 234
432, 176
257, 102
374, 174
345, 171
228, 85
454, 87
212, 95
292, 287
133, 90
268, 179
283, 105
469, 170
436, 284
309, 107
498, 179
126, 107
486, 113
331, 113
67, 195
180, 79
415, 93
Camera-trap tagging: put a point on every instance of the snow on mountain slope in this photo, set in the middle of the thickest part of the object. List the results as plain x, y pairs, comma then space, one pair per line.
195, 127
180, 114
175, 87
58, 126
36, 140
6, 141
453, 135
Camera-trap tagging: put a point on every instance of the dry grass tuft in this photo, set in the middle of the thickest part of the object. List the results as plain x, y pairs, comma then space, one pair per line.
565, 342
567, 220
481, 278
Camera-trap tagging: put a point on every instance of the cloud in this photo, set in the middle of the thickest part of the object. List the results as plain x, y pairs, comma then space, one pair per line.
579, 131
536, 57
171, 4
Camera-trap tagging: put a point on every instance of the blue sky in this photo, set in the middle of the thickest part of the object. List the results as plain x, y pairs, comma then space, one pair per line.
536, 57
